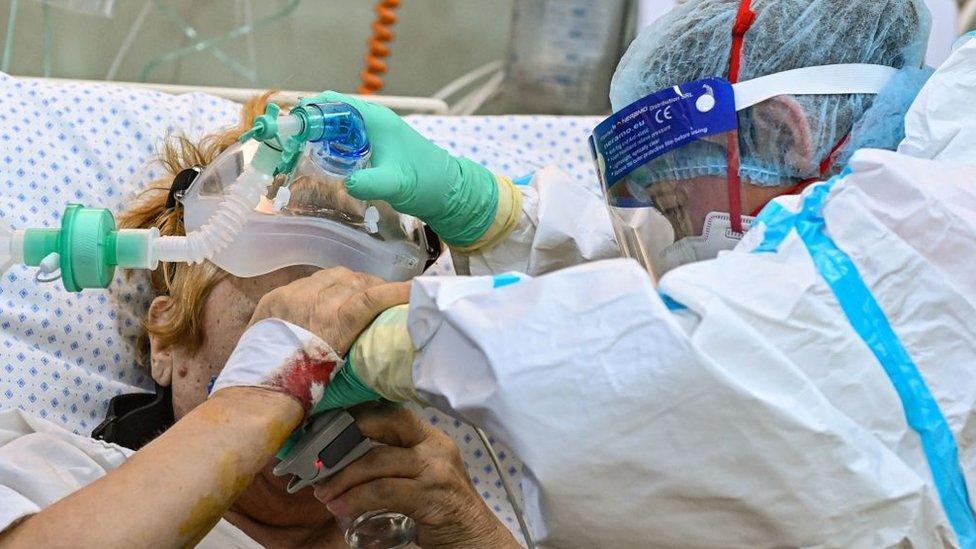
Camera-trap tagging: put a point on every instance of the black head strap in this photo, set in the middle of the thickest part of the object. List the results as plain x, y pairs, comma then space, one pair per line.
133, 420
433, 246
181, 183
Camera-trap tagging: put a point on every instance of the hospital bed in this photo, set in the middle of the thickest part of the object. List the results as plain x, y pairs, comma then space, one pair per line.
62, 355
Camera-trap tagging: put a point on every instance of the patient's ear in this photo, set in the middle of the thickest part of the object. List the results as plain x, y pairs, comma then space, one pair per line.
782, 127
160, 356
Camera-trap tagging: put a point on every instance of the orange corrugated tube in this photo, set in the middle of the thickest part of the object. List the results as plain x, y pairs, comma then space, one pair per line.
379, 46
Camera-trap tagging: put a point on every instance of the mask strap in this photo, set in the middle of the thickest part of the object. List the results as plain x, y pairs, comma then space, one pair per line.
850, 78
181, 183
743, 22
822, 80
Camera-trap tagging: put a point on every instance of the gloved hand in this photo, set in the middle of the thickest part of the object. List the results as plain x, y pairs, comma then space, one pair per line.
299, 331
379, 366
456, 197
380, 362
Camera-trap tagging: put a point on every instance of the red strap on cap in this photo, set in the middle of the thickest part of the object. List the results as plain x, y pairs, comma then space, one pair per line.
743, 22
828, 161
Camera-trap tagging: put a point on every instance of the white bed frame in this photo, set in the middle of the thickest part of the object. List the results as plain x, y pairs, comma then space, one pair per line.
426, 105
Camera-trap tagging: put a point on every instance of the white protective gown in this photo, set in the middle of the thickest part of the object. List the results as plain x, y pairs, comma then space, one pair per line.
766, 400
563, 223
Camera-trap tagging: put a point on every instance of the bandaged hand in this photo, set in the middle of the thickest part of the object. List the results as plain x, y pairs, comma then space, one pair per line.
419, 473
299, 332
462, 201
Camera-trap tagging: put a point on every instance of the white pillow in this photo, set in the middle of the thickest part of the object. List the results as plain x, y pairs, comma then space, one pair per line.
63, 355
517, 146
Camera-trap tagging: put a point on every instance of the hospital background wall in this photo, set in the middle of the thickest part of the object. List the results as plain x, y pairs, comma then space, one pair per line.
320, 45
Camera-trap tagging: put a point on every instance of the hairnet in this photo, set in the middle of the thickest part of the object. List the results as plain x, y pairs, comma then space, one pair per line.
694, 41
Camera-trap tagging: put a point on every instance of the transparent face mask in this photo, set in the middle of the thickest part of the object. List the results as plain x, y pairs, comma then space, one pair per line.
308, 218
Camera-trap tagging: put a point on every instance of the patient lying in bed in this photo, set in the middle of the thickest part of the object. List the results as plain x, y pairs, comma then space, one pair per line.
196, 318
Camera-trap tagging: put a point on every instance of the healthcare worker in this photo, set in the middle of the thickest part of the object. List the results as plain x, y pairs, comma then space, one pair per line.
801, 127
810, 388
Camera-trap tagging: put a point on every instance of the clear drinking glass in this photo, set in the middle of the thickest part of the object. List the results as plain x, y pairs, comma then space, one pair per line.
381, 529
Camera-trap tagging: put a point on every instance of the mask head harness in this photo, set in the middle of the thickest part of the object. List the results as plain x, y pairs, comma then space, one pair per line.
181, 183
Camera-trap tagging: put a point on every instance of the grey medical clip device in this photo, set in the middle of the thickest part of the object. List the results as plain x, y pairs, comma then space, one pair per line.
330, 443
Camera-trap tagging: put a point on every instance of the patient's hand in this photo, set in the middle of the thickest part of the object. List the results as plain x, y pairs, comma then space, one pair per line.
420, 474
330, 309
334, 304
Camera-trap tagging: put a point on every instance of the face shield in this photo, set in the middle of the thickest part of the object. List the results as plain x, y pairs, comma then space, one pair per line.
669, 163
308, 218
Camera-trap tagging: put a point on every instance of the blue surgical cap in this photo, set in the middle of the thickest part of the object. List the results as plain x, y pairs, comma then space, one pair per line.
694, 41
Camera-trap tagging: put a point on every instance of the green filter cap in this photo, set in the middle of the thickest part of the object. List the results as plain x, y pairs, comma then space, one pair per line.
87, 248
40, 243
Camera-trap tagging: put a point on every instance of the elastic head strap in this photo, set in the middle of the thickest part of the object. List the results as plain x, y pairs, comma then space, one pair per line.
181, 183
743, 22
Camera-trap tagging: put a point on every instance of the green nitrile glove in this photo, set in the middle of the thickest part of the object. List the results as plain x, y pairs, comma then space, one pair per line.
457, 197
379, 365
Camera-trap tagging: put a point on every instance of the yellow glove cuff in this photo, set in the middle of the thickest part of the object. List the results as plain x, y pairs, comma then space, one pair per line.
507, 216
383, 357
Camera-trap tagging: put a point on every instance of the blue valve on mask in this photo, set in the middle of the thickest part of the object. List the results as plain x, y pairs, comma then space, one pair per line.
335, 133
342, 146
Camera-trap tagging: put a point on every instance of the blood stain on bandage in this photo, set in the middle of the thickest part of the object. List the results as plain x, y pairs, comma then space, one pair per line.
306, 375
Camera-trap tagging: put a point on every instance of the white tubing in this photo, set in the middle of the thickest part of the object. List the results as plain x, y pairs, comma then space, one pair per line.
222, 228
127, 41
470, 104
467, 79
17, 246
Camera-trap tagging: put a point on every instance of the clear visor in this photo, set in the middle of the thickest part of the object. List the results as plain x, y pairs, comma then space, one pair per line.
663, 164
307, 218
670, 167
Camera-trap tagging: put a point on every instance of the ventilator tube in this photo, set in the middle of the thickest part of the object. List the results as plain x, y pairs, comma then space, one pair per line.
88, 247
227, 222
11, 247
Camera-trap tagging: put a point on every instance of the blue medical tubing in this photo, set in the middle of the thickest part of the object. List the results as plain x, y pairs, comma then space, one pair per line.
868, 319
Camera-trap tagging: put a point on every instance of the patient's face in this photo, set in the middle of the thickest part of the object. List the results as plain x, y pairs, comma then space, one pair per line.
226, 315
688, 202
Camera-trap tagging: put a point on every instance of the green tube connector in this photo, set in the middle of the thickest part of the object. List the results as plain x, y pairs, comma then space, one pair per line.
89, 247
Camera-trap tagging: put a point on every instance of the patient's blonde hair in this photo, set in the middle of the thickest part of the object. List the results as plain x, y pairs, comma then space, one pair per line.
188, 286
